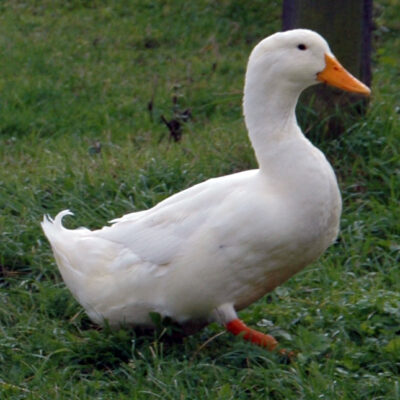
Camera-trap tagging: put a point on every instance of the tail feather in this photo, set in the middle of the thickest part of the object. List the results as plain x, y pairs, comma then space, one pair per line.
99, 272
50, 226
60, 216
63, 243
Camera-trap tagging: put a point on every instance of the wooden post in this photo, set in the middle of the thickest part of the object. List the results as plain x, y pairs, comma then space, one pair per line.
346, 25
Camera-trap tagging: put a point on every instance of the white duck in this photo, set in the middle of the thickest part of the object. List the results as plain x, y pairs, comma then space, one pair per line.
213, 249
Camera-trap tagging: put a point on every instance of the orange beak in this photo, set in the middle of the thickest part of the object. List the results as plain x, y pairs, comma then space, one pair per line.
334, 74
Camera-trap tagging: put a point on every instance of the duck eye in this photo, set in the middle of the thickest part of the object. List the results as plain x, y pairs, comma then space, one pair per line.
302, 46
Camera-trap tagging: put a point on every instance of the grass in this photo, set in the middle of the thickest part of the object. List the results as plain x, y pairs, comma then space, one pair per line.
83, 86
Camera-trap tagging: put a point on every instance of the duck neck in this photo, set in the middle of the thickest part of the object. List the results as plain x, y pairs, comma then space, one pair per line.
270, 116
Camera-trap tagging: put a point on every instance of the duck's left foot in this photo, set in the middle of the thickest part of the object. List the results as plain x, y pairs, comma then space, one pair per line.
237, 327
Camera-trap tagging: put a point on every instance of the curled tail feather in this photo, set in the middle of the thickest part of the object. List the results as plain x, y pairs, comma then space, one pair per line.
51, 226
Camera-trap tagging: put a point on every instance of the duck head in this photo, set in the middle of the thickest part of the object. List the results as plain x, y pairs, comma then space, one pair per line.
280, 67
300, 58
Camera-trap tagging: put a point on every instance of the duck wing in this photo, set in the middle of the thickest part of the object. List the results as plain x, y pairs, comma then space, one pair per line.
159, 234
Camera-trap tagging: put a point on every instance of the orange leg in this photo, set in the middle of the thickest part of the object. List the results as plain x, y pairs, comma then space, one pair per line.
236, 326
